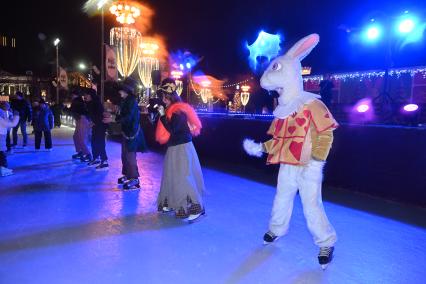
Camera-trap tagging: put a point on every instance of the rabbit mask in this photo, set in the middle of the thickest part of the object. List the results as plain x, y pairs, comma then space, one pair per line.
284, 75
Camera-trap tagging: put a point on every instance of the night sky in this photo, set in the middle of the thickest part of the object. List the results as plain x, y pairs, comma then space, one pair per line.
215, 30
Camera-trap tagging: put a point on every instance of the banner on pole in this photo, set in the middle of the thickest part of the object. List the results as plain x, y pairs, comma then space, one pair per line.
63, 78
111, 73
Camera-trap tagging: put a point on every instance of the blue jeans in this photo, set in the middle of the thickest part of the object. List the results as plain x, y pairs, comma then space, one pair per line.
23, 126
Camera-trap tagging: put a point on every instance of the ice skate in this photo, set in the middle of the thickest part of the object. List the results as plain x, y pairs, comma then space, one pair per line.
132, 184
5, 172
325, 256
94, 163
102, 166
194, 217
269, 237
122, 180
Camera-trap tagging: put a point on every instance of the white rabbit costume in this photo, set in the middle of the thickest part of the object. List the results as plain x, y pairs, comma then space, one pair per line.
302, 133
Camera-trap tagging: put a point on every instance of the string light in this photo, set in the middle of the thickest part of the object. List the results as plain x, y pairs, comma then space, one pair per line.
239, 83
127, 40
148, 62
370, 74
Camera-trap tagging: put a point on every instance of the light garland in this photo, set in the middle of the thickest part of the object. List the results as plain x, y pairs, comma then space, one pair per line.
148, 62
145, 67
127, 40
236, 84
370, 74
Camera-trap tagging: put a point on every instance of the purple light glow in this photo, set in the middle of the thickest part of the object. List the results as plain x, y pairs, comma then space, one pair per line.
362, 108
411, 107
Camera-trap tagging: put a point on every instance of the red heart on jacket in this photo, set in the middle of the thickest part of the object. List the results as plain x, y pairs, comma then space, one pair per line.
307, 113
296, 149
291, 129
300, 121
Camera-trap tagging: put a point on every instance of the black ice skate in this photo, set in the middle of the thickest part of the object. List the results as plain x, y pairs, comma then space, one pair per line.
102, 166
132, 184
77, 156
86, 158
269, 237
325, 256
93, 163
122, 180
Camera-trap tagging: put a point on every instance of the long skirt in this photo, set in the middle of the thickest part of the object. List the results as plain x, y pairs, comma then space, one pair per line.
182, 183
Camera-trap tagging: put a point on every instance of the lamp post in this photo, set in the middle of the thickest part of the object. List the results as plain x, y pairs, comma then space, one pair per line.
56, 44
101, 5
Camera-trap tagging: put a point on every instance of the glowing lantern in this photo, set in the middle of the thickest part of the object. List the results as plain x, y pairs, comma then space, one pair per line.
205, 91
125, 13
127, 40
245, 95
148, 63
306, 71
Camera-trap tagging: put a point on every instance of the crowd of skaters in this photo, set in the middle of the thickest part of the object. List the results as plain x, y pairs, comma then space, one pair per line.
182, 183
14, 117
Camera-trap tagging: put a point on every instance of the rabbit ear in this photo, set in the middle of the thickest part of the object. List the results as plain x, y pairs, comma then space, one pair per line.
303, 47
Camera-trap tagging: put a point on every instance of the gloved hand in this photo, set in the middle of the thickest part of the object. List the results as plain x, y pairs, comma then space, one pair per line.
252, 148
161, 110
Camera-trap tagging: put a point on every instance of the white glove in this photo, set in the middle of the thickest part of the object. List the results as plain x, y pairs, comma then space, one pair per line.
161, 110
252, 148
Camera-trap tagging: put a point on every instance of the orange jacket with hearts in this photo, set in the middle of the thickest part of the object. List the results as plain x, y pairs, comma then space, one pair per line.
306, 134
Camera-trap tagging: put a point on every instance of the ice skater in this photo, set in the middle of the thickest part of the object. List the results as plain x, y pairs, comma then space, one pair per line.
133, 140
7, 121
182, 183
302, 134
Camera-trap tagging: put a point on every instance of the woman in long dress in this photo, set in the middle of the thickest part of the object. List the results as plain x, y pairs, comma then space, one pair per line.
182, 183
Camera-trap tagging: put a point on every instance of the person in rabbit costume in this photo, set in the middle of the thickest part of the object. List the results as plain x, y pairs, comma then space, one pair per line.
302, 133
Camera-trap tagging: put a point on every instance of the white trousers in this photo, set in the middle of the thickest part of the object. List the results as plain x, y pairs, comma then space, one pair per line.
307, 180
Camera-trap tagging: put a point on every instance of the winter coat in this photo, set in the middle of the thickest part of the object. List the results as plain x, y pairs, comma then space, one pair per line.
131, 129
23, 108
57, 111
96, 111
78, 108
180, 123
43, 118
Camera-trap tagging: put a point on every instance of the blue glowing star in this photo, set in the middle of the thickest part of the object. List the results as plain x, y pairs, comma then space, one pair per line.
267, 45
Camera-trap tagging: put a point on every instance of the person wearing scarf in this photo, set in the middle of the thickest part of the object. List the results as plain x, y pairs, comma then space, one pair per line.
182, 183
